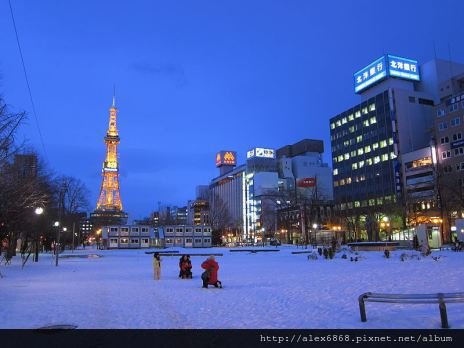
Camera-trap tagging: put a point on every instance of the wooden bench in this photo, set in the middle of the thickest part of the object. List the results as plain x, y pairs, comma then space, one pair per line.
176, 254
253, 250
440, 298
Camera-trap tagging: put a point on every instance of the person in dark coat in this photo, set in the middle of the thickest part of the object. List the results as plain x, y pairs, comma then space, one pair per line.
185, 267
211, 268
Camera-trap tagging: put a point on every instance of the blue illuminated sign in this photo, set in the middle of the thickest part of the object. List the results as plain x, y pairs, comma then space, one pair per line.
383, 67
370, 74
404, 68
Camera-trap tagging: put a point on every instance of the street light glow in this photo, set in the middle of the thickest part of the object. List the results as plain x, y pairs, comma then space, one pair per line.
39, 210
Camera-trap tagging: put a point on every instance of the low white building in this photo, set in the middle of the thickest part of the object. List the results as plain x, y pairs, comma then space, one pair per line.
187, 236
130, 237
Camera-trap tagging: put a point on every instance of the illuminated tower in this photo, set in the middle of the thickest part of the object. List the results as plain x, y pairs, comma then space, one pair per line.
109, 207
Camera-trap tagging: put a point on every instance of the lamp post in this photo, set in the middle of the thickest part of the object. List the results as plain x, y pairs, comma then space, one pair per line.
38, 211
57, 241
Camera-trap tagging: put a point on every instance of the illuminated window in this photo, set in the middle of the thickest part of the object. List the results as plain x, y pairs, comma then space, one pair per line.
390, 141
357, 204
357, 114
359, 138
344, 120
372, 107
366, 123
336, 171
371, 202
361, 164
353, 153
360, 151
351, 129
354, 166
364, 111
392, 155
350, 117
376, 159
348, 180
369, 161
375, 146
338, 123
373, 120
342, 182
340, 158
385, 157
367, 149
383, 143
332, 126
346, 156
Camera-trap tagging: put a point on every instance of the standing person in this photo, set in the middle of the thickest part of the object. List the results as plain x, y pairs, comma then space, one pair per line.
210, 276
185, 266
157, 265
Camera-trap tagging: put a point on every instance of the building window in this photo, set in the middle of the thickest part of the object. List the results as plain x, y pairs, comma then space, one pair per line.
445, 140
375, 146
455, 121
360, 151
383, 143
446, 154
372, 107
336, 171
443, 125
367, 149
441, 112
350, 117
332, 126
459, 151
357, 114
453, 107
412, 99
373, 120
457, 136
354, 166
359, 138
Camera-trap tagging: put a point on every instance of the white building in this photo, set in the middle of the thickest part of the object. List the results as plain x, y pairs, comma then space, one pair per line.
130, 237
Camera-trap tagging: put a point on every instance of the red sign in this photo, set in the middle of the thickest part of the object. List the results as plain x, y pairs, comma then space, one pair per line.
226, 158
306, 182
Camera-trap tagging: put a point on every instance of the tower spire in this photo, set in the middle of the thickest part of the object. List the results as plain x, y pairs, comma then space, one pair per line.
114, 96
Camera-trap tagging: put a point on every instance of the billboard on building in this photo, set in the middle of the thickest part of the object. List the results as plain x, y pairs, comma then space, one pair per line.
226, 158
403, 67
306, 182
381, 68
369, 75
261, 152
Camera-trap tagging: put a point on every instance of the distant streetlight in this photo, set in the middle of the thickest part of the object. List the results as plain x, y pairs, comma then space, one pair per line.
57, 241
38, 211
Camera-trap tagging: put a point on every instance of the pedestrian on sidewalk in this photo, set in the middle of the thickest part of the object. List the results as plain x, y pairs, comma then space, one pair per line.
157, 265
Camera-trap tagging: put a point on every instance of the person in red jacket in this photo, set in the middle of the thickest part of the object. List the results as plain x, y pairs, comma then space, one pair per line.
210, 276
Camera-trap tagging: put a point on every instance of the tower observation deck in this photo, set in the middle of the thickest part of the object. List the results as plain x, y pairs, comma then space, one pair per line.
109, 206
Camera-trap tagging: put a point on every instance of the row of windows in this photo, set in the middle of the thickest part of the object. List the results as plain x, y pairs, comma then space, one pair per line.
187, 229
369, 161
187, 240
363, 150
126, 229
453, 122
453, 107
367, 202
351, 117
457, 152
354, 128
126, 240
456, 136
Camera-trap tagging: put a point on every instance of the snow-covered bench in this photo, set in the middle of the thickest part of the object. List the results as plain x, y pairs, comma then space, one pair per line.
440, 298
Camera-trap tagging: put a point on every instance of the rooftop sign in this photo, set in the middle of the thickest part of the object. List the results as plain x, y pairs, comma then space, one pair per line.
383, 67
261, 152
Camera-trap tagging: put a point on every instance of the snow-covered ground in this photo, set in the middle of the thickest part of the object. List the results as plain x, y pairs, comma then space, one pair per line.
270, 290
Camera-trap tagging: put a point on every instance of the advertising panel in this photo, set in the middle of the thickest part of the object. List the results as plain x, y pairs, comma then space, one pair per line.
226, 158
261, 152
306, 182
369, 75
402, 67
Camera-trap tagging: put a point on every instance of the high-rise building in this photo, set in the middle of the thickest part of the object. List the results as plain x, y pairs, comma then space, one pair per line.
109, 209
395, 117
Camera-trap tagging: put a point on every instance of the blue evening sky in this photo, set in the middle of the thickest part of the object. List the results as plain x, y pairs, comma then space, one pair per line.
196, 77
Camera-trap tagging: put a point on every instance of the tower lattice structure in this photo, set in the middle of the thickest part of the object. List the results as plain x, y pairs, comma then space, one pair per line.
109, 199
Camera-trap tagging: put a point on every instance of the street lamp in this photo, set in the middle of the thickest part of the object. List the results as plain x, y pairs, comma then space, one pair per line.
57, 240
38, 211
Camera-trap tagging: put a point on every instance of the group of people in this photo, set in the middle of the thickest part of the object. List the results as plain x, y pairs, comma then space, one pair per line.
209, 276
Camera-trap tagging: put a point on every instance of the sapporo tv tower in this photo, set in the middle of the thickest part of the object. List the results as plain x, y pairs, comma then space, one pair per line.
109, 207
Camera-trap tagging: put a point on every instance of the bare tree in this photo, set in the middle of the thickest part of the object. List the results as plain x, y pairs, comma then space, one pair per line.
219, 217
